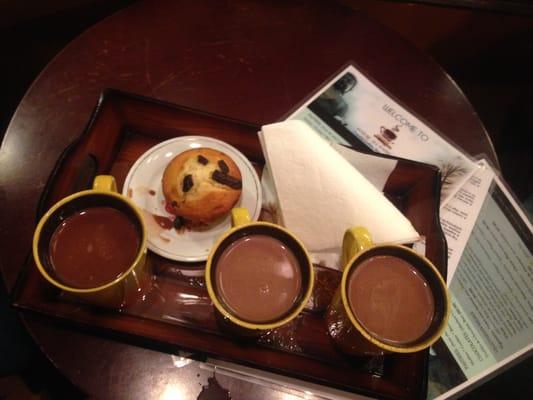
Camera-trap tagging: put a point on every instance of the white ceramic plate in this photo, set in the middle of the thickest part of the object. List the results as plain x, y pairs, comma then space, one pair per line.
143, 186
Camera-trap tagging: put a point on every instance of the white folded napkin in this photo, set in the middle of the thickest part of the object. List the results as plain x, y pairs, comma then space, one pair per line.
319, 193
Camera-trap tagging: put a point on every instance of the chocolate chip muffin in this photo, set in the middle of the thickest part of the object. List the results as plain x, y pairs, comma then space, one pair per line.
201, 185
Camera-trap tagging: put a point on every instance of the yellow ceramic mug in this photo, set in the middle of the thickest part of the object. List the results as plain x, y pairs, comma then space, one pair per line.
263, 293
351, 334
131, 283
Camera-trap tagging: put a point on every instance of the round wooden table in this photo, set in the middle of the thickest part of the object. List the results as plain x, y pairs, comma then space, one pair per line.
248, 60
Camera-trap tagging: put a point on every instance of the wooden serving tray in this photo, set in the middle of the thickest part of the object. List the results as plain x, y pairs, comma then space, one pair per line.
177, 314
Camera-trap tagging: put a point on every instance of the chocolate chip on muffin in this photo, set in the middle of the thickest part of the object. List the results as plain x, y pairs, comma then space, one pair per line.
187, 183
201, 185
223, 166
227, 180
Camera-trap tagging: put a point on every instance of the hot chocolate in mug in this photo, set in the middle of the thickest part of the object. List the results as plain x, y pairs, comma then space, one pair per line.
390, 300
258, 275
92, 246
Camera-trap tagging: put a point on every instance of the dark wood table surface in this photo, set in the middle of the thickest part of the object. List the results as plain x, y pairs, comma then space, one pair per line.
248, 60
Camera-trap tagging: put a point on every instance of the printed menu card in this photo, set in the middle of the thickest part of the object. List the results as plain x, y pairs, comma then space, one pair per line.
489, 236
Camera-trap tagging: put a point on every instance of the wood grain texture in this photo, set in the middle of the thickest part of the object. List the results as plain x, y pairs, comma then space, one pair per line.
177, 313
248, 60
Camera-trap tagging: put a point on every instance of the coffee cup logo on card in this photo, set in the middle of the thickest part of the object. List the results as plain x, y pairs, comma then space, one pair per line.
352, 105
404, 122
387, 136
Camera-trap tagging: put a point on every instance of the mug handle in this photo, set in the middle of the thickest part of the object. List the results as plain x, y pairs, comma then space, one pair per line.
239, 216
105, 183
355, 240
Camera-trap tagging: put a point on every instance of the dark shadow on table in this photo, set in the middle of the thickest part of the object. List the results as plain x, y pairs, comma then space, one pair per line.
501, 95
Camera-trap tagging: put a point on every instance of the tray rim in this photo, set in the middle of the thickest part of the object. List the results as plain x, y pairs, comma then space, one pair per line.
106, 96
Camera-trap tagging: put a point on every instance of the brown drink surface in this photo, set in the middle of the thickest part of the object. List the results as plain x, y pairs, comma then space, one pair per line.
258, 278
93, 247
391, 299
